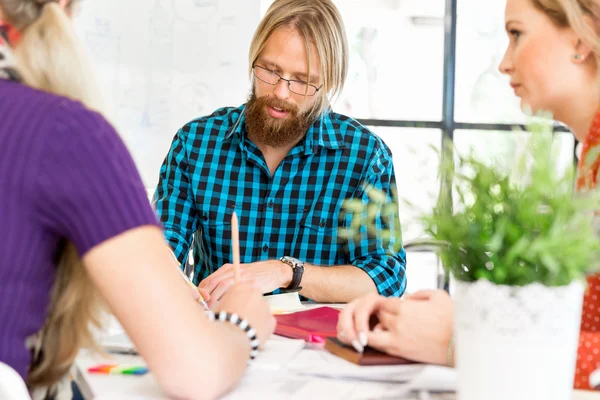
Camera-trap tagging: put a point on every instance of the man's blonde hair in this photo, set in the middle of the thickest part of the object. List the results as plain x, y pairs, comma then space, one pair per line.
320, 23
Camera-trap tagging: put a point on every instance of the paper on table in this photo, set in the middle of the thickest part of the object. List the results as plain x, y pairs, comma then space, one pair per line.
284, 303
435, 378
416, 376
403, 374
277, 354
286, 385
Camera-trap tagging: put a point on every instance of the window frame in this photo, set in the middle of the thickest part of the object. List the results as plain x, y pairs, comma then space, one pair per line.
448, 125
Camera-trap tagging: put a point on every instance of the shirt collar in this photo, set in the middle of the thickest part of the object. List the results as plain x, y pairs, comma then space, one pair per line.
238, 116
322, 133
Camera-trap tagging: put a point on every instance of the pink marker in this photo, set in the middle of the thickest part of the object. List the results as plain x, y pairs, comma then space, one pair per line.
102, 368
316, 339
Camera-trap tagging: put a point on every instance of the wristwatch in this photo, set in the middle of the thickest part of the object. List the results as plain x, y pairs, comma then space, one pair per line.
298, 268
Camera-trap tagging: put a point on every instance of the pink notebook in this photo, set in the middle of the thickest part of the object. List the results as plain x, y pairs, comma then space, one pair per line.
305, 325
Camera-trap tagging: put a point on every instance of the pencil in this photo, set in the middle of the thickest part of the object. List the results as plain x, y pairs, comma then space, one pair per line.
191, 284
235, 247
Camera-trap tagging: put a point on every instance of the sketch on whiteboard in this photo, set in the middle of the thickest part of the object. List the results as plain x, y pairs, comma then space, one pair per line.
162, 63
195, 99
145, 106
193, 49
102, 43
196, 10
227, 33
103, 48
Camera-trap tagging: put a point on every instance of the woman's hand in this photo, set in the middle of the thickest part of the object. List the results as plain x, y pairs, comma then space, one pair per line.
248, 302
418, 327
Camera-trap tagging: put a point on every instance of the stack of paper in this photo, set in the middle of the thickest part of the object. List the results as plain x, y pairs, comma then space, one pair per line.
322, 364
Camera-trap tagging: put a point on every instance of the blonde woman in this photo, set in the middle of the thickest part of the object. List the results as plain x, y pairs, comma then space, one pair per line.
553, 61
76, 226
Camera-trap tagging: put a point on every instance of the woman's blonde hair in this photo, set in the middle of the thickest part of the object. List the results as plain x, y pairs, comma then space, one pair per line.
50, 58
576, 14
320, 23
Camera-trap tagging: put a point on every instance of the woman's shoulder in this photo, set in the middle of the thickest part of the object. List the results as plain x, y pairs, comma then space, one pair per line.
50, 113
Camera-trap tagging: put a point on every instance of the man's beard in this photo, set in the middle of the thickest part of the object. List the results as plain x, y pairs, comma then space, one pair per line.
271, 131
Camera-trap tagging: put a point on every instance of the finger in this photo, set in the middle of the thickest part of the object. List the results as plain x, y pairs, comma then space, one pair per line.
225, 269
195, 293
420, 295
210, 283
391, 305
381, 340
362, 315
388, 320
378, 328
345, 325
220, 290
205, 294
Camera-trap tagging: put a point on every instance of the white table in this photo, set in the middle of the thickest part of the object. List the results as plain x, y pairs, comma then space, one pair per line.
265, 380
262, 382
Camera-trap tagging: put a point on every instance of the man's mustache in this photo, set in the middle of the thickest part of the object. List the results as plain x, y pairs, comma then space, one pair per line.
281, 104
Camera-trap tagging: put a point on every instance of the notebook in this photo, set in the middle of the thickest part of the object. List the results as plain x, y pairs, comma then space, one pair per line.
284, 303
307, 324
369, 357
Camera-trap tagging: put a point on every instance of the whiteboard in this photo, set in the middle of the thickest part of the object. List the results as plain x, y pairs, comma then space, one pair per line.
162, 63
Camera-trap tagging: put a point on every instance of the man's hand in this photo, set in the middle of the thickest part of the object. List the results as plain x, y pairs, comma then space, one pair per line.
264, 275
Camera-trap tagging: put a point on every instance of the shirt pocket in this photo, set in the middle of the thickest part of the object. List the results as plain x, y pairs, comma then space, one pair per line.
320, 223
216, 234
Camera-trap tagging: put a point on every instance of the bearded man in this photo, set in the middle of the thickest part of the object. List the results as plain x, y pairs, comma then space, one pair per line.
285, 163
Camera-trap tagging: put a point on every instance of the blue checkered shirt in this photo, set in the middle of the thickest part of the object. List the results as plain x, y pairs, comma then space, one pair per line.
212, 169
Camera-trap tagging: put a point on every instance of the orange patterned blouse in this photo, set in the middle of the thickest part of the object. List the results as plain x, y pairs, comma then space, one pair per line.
588, 354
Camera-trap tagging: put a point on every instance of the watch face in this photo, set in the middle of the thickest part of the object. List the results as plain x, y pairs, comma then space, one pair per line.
294, 261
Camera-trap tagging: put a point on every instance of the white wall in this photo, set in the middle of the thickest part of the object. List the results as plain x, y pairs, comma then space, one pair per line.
161, 63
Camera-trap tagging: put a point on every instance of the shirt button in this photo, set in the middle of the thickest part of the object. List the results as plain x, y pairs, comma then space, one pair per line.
271, 203
322, 224
265, 248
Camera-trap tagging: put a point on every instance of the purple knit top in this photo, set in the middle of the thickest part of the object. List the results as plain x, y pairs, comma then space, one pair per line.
64, 174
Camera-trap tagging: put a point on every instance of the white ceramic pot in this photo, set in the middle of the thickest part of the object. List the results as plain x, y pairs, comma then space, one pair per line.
516, 343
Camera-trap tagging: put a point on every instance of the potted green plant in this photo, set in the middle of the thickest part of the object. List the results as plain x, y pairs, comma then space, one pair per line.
519, 243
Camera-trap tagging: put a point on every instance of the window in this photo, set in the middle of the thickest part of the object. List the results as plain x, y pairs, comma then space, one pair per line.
413, 82
396, 59
483, 94
505, 147
416, 163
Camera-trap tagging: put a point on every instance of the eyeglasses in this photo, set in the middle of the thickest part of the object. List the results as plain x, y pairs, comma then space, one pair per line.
272, 78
